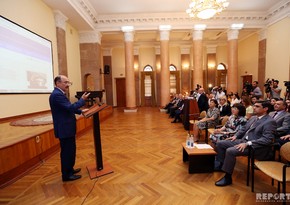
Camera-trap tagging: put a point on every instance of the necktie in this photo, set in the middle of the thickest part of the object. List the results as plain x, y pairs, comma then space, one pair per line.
275, 115
254, 122
246, 135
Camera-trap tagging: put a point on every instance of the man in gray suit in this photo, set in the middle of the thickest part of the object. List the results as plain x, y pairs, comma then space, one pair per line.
282, 118
258, 132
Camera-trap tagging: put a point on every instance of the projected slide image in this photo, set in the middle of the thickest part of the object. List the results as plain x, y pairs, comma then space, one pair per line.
25, 60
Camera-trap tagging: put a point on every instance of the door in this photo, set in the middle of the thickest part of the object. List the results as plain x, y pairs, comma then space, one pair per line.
121, 92
148, 89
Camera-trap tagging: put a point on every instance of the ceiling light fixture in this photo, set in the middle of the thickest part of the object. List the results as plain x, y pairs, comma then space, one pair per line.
205, 9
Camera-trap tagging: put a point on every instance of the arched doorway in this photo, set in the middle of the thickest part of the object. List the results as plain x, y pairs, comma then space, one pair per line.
148, 86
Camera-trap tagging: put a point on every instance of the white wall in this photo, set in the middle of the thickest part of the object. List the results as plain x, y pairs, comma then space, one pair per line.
37, 17
118, 63
248, 59
278, 52
73, 60
147, 56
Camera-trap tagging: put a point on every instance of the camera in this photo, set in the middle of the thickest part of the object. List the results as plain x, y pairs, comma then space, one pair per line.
248, 86
287, 85
268, 84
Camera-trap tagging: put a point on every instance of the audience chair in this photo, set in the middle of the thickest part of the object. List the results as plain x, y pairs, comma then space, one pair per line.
276, 170
202, 114
223, 122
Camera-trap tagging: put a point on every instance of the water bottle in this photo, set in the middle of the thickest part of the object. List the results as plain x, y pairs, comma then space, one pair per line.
188, 141
191, 141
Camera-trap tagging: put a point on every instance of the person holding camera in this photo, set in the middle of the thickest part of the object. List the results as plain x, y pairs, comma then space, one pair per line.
256, 90
275, 90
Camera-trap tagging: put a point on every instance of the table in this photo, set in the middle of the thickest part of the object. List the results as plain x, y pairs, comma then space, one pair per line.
200, 160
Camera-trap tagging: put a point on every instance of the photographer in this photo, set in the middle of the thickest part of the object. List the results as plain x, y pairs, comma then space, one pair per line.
256, 90
275, 91
287, 85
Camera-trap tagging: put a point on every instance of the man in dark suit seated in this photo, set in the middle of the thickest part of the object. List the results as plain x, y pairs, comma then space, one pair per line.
171, 103
178, 112
179, 102
259, 132
282, 118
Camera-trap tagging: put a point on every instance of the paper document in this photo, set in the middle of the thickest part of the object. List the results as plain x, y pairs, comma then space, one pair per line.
203, 146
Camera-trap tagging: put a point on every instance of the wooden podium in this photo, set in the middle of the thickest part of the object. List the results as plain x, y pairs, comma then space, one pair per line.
98, 169
190, 112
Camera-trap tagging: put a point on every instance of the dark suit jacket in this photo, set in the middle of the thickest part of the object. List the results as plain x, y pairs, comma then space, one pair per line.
226, 110
63, 114
283, 123
260, 133
202, 103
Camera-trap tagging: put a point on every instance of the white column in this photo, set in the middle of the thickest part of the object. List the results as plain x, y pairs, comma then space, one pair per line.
129, 70
232, 72
197, 36
164, 61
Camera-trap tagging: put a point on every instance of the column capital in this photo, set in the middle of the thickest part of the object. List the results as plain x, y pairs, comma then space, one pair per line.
233, 34
262, 34
90, 37
197, 35
129, 36
128, 33
60, 19
164, 31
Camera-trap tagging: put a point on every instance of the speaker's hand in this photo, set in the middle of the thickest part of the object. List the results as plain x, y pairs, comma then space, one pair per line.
85, 95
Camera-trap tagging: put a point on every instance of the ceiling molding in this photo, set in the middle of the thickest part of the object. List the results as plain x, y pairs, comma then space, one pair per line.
178, 20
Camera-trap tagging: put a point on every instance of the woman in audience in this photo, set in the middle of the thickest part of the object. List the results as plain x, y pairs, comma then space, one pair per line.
246, 101
211, 119
254, 99
288, 105
224, 107
234, 123
235, 99
229, 95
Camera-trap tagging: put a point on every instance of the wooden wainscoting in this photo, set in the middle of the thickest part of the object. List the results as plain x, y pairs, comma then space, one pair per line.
30, 146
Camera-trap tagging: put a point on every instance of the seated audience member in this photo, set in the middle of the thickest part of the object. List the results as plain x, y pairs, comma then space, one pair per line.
284, 139
210, 96
272, 101
244, 92
202, 100
235, 99
177, 104
282, 118
233, 124
171, 103
249, 108
258, 133
229, 96
288, 105
254, 99
224, 107
220, 93
211, 119
178, 112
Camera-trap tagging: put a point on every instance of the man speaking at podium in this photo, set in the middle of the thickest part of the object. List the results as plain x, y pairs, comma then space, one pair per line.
64, 123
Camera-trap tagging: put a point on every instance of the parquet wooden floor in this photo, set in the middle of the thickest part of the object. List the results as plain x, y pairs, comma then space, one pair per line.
145, 153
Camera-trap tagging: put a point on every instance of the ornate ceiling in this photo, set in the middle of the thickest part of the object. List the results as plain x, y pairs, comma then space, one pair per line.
108, 16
